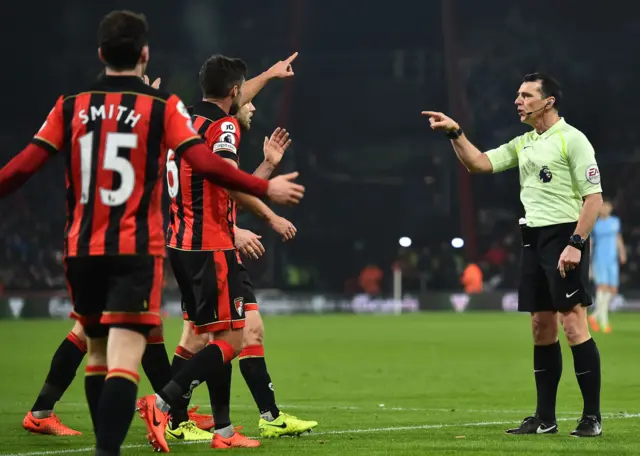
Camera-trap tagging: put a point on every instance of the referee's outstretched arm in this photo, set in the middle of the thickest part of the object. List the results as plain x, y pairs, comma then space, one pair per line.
474, 160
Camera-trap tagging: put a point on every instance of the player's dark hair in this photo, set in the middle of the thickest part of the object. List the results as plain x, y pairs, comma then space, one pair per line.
121, 37
549, 87
219, 74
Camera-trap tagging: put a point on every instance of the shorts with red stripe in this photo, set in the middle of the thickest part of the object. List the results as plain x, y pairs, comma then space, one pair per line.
210, 288
115, 290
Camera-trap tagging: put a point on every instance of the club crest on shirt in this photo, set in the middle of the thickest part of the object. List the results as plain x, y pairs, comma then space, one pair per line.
239, 303
545, 174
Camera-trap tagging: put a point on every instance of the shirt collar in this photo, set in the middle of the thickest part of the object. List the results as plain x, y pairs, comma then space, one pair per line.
557, 126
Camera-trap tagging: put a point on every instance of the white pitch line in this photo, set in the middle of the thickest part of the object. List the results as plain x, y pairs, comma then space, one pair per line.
340, 432
354, 407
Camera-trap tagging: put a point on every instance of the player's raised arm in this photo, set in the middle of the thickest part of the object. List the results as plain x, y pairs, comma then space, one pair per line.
274, 148
472, 158
43, 146
184, 140
281, 69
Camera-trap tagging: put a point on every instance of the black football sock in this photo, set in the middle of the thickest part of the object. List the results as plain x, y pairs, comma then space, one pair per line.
64, 364
220, 396
116, 410
586, 362
207, 363
547, 368
254, 371
180, 414
155, 363
180, 358
94, 378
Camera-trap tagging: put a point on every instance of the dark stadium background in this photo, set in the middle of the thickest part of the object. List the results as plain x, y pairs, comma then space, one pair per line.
373, 169
445, 382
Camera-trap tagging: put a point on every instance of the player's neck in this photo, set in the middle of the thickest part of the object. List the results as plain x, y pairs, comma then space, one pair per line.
134, 72
546, 121
225, 105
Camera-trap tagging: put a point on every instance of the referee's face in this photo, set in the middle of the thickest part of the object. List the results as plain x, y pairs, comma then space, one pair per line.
529, 100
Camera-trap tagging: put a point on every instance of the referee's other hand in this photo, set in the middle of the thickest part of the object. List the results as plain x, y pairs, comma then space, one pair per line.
439, 121
569, 260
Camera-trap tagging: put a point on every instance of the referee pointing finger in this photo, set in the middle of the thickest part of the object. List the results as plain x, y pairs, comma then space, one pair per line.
561, 194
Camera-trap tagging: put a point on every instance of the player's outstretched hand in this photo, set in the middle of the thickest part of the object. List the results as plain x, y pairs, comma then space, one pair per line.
156, 83
283, 68
440, 121
283, 190
569, 260
275, 146
248, 243
283, 227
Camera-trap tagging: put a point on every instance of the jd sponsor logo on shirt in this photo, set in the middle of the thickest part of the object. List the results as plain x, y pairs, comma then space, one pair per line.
545, 174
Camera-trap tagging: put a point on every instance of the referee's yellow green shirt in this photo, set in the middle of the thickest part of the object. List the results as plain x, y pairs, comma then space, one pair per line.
557, 169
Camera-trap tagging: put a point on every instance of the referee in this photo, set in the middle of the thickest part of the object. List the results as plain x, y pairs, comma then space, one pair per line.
561, 194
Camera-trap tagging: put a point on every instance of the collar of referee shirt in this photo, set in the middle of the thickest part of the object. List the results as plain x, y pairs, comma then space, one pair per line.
555, 127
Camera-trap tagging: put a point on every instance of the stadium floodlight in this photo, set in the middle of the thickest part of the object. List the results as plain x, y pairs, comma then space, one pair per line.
457, 243
405, 241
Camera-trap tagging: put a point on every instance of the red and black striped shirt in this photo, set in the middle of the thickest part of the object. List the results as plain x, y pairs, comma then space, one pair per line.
116, 134
202, 214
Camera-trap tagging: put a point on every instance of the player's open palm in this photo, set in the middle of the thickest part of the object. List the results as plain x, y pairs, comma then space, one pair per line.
439, 121
283, 68
156, 83
283, 190
275, 146
283, 227
248, 243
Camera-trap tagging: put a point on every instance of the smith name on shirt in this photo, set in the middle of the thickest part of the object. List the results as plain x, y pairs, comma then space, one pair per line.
102, 112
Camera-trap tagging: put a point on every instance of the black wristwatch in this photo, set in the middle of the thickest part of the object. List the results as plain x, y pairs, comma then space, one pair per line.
454, 134
577, 241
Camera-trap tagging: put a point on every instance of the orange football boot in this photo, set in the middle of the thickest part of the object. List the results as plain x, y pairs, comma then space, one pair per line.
593, 322
204, 422
155, 420
237, 440
50, 425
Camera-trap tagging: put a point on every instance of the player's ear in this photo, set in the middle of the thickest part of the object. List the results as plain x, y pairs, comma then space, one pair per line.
100, 56
144, 55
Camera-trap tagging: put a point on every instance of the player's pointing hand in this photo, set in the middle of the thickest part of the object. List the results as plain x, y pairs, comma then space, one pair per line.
283, 190
283, 68
439, 121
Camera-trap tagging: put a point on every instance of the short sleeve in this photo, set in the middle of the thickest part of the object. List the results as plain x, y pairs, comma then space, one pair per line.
504, 157
224, 138
51, 134
582, 162
179, 133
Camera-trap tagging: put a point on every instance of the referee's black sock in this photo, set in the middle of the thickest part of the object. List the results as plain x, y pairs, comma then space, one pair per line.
547, 368
586, 361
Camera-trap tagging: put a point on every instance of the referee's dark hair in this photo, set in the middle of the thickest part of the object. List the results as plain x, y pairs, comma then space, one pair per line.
121, 37
549, 87
219, 74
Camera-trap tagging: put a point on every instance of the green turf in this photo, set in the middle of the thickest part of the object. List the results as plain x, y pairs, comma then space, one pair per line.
434, 383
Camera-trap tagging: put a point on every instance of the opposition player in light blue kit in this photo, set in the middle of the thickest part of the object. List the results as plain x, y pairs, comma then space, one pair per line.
608, 253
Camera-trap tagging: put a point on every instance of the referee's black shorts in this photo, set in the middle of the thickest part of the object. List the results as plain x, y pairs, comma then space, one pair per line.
541, 286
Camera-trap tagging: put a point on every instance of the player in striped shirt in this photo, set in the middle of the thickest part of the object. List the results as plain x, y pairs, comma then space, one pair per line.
114, 136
